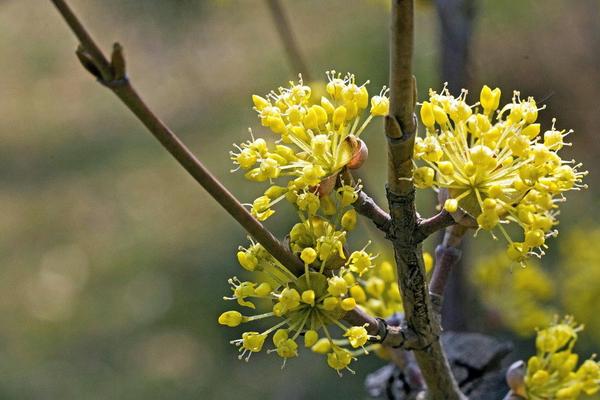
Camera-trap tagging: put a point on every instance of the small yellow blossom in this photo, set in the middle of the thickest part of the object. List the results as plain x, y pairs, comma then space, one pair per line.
357, 336
339, 359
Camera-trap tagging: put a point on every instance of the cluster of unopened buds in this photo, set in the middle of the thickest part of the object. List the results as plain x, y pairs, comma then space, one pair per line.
553, 373
495, 167
316, 138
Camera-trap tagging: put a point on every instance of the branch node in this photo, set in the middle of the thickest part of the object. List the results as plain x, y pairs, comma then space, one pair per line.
88, 62
117, 77
382, 331
393, 128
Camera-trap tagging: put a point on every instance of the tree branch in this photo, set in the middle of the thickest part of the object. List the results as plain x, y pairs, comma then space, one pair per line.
113, 76
366, 206
447, 256
288, 39
400, 131
428, 226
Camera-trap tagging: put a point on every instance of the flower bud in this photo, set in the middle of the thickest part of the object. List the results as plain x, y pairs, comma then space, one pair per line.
310, 338
358, 293
308, 255
308, 297
247, 260
349, 219
322, 346
427, 115
230, 318
348, 304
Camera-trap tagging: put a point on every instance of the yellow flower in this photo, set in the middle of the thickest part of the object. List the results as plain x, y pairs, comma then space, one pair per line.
339, 359
287, 348
337, 286
360, 262
357, 336
316, 137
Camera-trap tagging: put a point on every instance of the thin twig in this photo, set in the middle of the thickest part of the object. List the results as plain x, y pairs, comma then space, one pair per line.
366, 206
447, 254
126, 92
428, 226
84, 38
288, 39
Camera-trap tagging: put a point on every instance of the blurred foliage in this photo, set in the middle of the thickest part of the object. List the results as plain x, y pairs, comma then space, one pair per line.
579, 276
518, 295
112, 257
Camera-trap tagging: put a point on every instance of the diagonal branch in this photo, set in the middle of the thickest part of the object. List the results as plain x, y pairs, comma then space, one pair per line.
290, 44
428, 226
366, 206
113, 76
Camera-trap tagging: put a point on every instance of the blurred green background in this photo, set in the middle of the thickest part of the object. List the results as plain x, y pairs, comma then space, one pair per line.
113, 261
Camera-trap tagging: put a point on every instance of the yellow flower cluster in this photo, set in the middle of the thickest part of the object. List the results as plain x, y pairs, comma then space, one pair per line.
308, 307
519, 296
553, 373
496, 166
316, 138
580, 277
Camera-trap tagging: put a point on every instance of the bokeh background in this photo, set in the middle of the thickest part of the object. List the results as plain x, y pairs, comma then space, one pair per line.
113, 261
